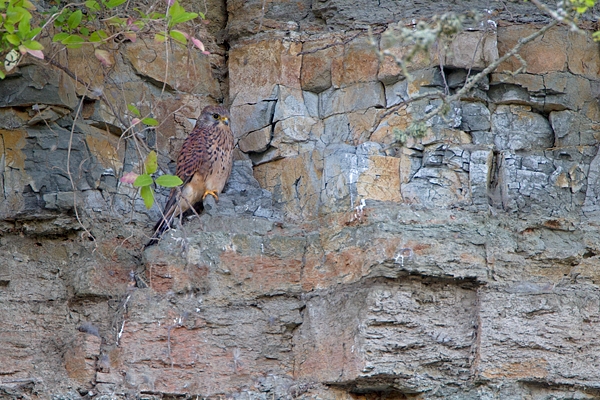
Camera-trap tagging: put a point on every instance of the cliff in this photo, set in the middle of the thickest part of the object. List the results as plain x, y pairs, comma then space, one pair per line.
339, 263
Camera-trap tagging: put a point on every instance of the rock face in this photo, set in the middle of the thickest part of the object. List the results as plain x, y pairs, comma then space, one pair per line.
345, 259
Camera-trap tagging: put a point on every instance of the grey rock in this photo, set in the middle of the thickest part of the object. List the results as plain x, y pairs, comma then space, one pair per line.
475, 117
517, 128
355, 97
37, 85
396, 93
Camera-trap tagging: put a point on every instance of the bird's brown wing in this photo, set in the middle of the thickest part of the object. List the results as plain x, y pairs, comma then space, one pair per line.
189, 163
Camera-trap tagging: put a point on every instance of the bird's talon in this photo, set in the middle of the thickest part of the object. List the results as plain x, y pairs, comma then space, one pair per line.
212, 193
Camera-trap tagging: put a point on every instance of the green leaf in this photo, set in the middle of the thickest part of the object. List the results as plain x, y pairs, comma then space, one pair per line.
13, 39
33, 45
134, 110
59, 37
143, 180
2, 75
182, 18
178, 36
92, 5
150, 121
73, 41
74, 19
160, 37
33, 33
169, 181
114, 3
98, 36
151, 163
24, 27
84, 31
148, 196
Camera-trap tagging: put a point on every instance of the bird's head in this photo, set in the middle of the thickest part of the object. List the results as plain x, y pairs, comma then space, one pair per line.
215, 115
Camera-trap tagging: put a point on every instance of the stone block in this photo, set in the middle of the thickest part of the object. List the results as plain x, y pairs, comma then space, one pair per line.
358, 63
573, 129
480, 176
551, 183
290, 103
517, 128
472, 50
396, 93
295, 183
394, 49
247, 118
550, 328
475, 117
381, 180
386, 336
315, 75
208, 349
437, 187
34, 84
80, 359
256, 141
294, 135
351, 98
256, 68
188, 70
583, 55
535, 53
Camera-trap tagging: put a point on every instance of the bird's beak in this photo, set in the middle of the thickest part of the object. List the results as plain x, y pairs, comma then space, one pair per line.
225, 120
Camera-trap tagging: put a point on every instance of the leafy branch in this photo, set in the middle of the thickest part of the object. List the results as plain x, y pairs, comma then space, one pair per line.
79, 24
145, 180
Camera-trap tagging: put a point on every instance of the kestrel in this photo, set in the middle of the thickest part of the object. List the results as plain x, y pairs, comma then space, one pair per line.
204, 164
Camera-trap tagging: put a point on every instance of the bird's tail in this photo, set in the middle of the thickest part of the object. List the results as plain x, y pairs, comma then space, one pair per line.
166, 219
161, 227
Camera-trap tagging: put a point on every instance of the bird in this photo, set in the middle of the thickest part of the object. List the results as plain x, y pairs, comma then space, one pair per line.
204, 165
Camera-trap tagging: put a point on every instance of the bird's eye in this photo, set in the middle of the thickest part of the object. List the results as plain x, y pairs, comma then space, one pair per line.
216, 116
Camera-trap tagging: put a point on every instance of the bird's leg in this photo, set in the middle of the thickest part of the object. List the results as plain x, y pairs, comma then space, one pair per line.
213, 193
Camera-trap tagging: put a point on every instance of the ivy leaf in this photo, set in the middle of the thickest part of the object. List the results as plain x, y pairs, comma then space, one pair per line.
148, 196
151, 163
74, 19
150, 121
143, 180
169, 181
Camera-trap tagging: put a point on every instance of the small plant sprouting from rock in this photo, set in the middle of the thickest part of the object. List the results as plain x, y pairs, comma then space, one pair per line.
145, 180
416, 130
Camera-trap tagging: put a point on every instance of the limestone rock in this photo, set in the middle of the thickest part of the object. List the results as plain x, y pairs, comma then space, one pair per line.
189, 71
517, 128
